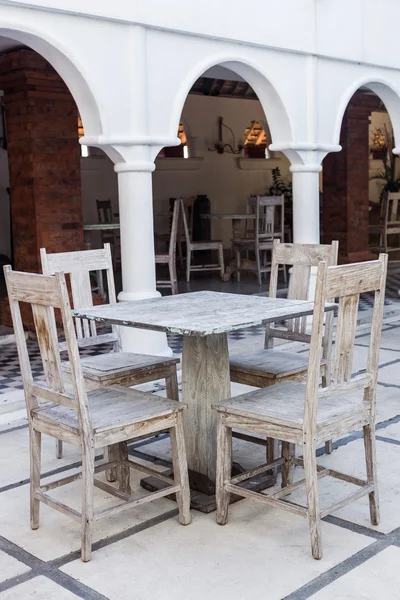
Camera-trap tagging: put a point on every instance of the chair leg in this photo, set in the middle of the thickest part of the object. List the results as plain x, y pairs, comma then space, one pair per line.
288, 451
325, 383
59, 449
188, 261
224, 470
237, 265
221, 261
124, 469
370, 459
271, 453
111, 453
172, 277
181, 475
258, 265
328, 447
35, 449
180, 254
314, 518
87, 503
171, 384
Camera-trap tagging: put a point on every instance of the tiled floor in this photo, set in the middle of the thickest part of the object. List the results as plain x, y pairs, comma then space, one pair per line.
144, 553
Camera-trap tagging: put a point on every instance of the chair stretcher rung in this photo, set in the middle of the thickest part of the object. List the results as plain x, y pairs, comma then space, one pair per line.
285, 504
367, 489
149, 471
295, 486
57, 505
257, 471
136, 502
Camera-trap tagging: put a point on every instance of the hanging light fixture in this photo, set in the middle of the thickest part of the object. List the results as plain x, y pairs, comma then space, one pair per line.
220, 147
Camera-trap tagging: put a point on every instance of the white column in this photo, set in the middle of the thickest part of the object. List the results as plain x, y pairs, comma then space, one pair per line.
137, 252
306, 209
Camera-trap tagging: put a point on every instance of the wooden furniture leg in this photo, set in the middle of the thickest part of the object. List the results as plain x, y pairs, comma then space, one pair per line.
224, 468
205, 381
181, 476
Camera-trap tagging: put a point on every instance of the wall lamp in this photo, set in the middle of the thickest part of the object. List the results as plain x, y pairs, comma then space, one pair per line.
220, 147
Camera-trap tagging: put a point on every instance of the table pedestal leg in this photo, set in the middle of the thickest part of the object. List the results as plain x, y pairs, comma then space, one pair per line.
205, 381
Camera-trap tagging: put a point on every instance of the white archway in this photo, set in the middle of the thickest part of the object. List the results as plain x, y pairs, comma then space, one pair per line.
270, 100
384, 90
67, 67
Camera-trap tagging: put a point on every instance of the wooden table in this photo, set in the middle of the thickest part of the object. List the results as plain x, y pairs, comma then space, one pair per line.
204, 319
89, 227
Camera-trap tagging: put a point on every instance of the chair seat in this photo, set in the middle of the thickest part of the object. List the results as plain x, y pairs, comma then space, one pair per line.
272, 364
110, 409
282, 405
110, 368
210, 245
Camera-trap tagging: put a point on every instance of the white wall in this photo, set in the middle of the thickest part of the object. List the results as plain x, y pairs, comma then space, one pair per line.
219, 176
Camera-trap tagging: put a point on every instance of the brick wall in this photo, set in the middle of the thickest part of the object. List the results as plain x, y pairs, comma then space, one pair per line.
44, 159
345, 214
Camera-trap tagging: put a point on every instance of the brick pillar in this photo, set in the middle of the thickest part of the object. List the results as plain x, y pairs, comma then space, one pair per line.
44, 159
345, 214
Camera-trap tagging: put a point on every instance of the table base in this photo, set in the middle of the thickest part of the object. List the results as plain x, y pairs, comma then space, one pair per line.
202, 489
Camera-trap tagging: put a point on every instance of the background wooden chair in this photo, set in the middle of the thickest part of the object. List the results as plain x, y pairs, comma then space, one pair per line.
112, 237
106, 416
389, 223
265, 231
203, 246
266, 367
304, 414
170, 258
123, 368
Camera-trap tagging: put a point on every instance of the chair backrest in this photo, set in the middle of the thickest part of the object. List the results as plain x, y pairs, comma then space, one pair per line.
174, 229
78, 265
104, 211
301, 257
391, 204
44, 293
265, 208
187, 206
345, 283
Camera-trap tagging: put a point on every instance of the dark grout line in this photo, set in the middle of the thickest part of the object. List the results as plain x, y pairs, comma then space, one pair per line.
51, 570
349, 564
388, 385
381, 438
354, 527
11, 429
75, 465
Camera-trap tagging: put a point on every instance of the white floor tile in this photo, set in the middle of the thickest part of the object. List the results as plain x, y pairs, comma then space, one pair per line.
39, 588
59, 535
10, 567
376, 579
249, 557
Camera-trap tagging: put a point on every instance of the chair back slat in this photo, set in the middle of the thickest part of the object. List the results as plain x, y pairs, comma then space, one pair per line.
345, 283
46, 333
301, 257
26, 287
78, 265
346, 326
174, 229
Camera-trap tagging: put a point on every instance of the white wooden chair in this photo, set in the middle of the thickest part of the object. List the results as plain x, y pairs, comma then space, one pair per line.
116, 368
262, 238
266, 367
106, 416
389, 224
197, 246
112, 237
306, 414
170, 258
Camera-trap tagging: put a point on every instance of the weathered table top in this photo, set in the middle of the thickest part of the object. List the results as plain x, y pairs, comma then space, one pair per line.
100, 226
198, 313
232, 216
